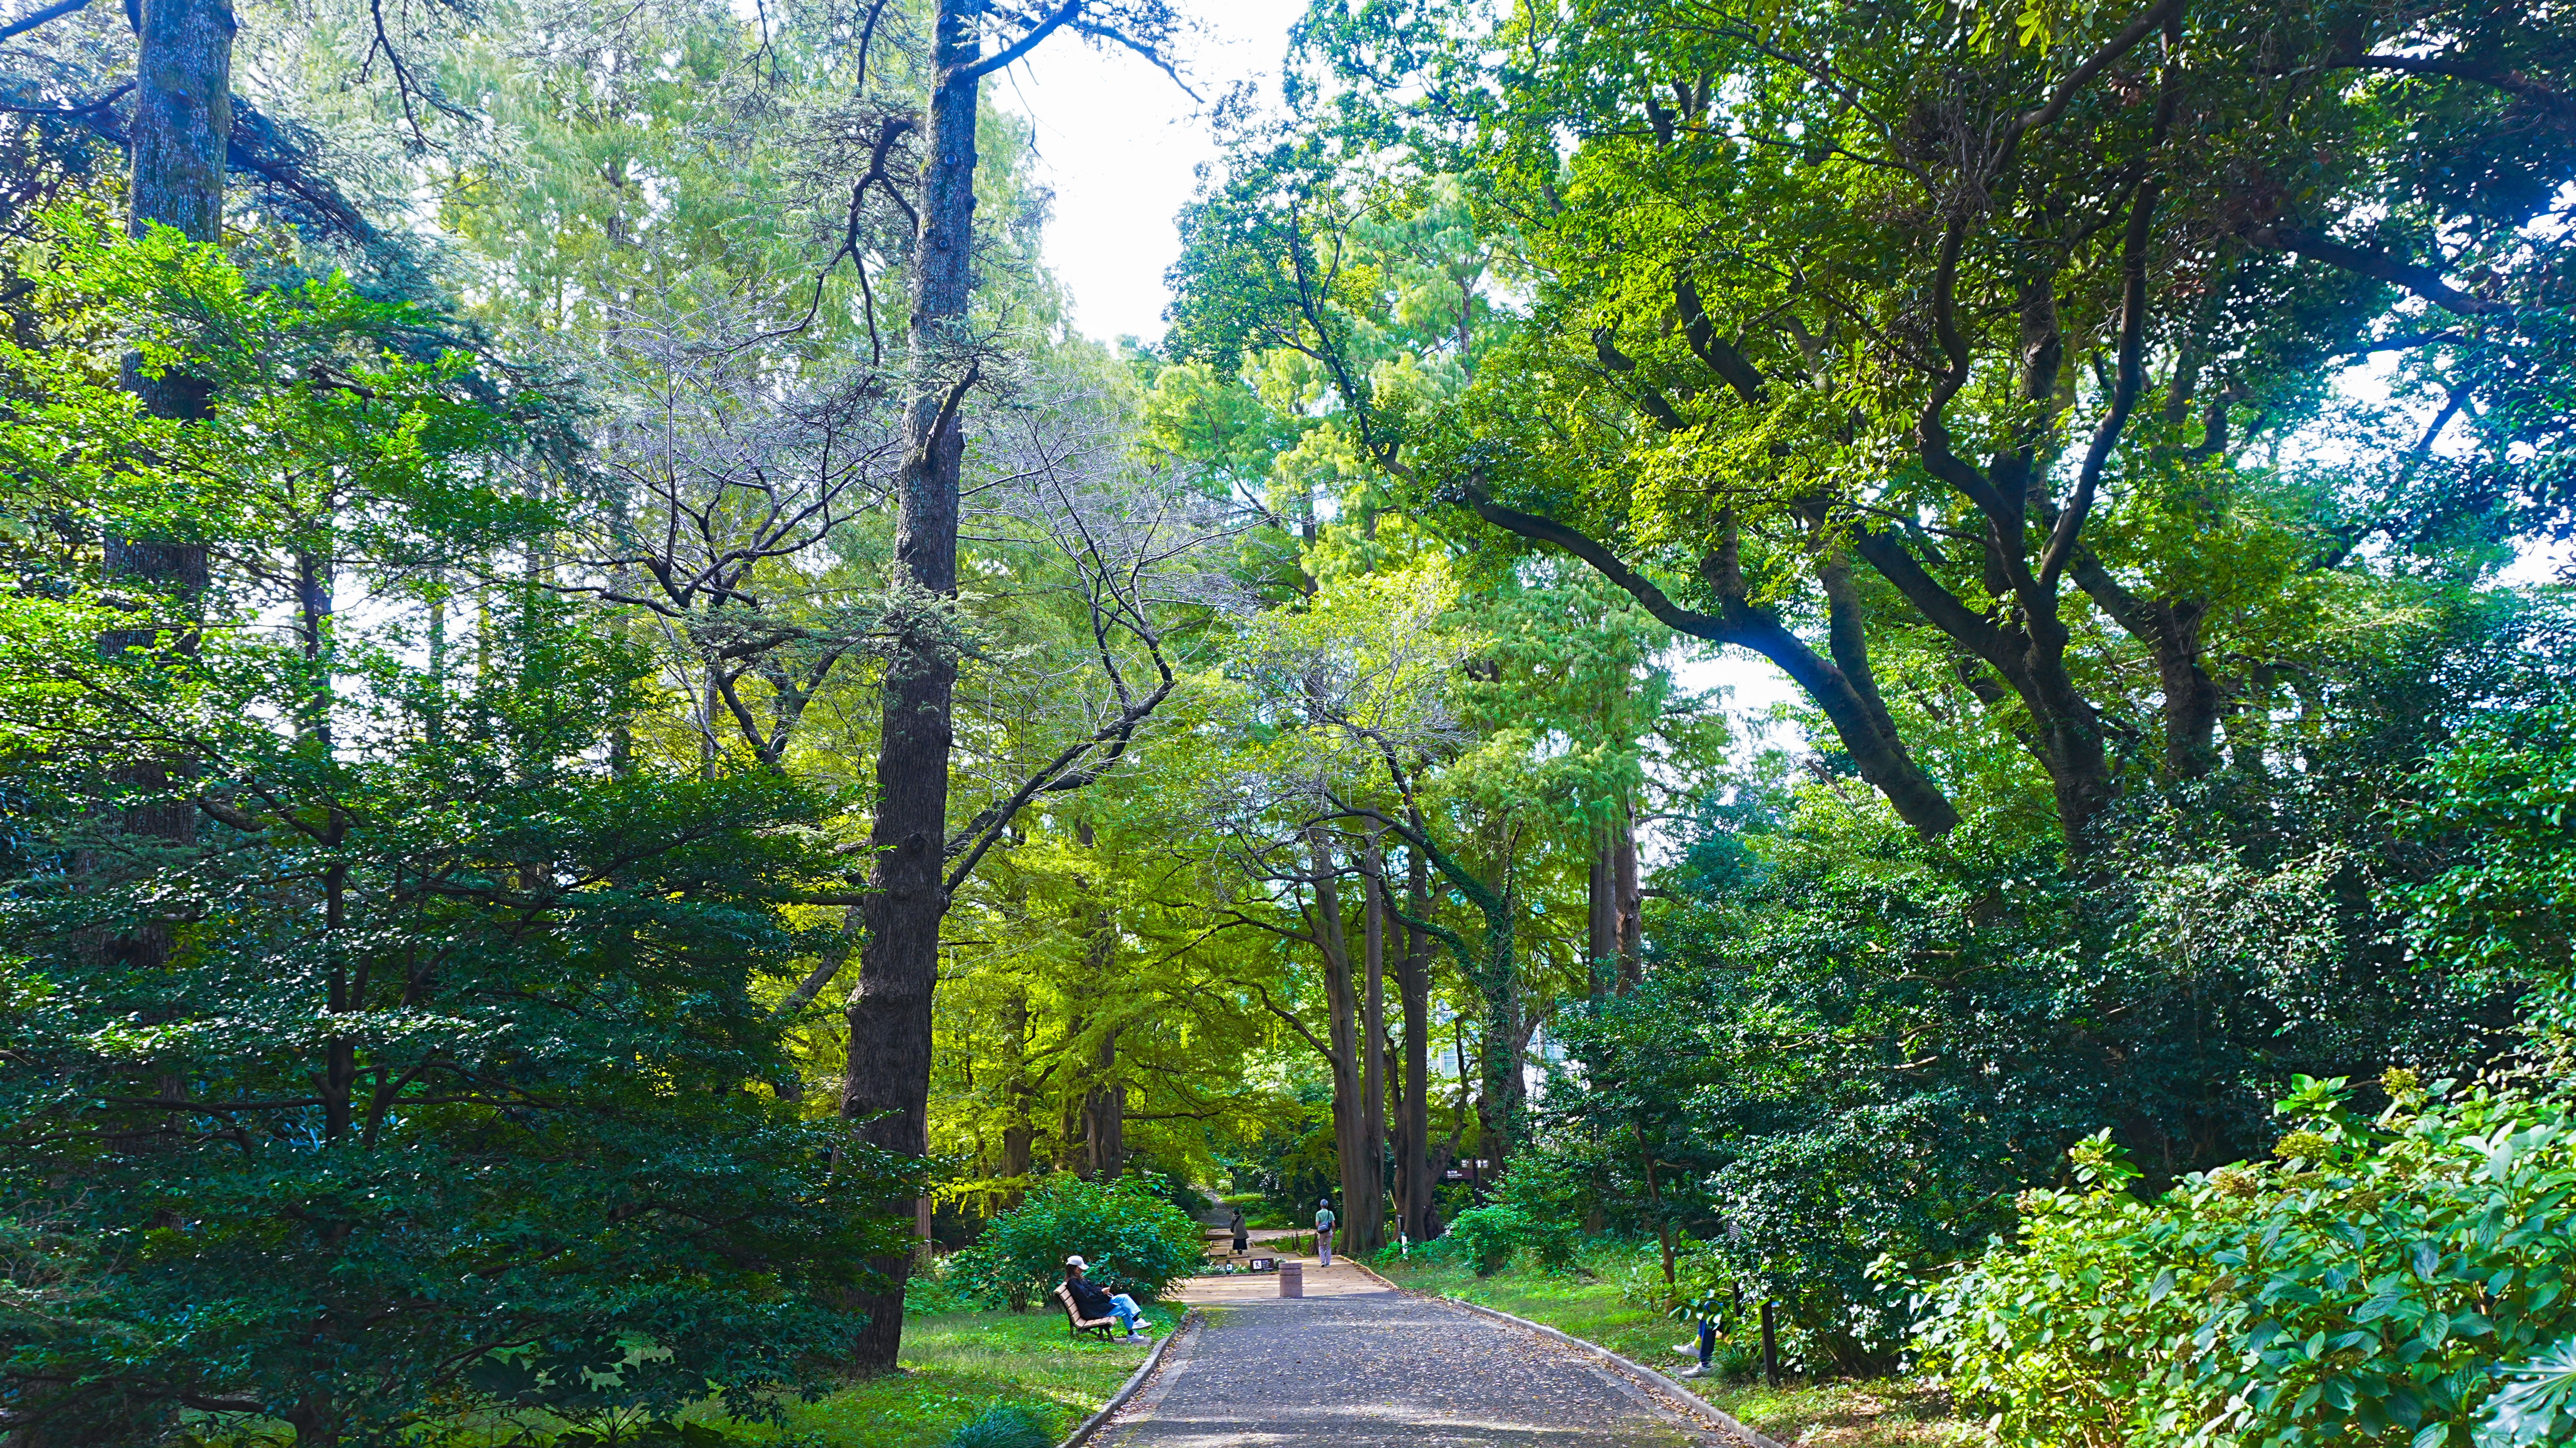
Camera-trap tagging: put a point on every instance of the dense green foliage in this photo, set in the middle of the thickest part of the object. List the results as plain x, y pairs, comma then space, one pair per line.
2377, 1284
1130, 1235
447, 622
2401, 1279
2174, 736
447, 1055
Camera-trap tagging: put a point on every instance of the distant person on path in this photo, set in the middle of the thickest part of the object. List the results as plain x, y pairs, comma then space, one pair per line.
1242, 1238
1095, 1304
1324, 1229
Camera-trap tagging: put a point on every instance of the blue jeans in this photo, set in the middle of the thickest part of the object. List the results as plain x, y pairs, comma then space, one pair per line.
1124, 1308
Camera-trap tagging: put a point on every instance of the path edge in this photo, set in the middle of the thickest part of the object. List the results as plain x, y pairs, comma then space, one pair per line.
1082, 1431
1689, 1400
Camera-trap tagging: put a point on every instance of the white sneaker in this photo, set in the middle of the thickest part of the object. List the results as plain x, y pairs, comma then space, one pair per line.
1693, 1371
1687, 1349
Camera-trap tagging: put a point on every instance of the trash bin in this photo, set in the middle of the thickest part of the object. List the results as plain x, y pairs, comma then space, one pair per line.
1292, 1279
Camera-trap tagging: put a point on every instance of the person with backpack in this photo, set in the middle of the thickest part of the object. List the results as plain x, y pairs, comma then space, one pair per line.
1324, 1230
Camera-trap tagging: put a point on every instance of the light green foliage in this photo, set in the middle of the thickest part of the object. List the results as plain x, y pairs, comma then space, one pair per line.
2369, 1286
1134, 1240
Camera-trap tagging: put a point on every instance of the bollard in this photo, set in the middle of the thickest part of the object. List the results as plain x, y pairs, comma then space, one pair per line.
1292, 1279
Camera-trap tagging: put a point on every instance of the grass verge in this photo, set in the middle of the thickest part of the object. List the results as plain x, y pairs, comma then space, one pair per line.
1884, 1413
956, 1365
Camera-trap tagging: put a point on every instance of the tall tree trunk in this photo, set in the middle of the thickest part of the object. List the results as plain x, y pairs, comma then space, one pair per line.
886, 1092
1413, 990
1600, 912
1629, 899
1019, 1134
182, 115
1104, 1114
1367, 1206
1342, 1036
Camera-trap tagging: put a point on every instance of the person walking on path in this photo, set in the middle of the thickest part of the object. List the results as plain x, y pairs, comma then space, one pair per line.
1242, 1238
1324, 1230
1094, 1304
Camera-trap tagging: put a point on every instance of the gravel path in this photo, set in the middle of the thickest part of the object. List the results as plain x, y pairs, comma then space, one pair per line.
1357, 1364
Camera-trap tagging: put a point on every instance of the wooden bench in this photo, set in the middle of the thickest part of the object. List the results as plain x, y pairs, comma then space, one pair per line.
1073, 1319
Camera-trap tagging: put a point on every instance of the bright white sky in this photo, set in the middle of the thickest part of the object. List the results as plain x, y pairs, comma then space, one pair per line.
1120, 144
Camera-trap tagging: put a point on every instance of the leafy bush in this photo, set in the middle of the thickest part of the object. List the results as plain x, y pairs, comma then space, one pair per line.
939, 1290
1003, 1426
1489, 1237
2403, 1281
1135, 1240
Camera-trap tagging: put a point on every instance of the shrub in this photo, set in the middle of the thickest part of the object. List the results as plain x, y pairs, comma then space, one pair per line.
2404, 1281
1135, 1240
1488, 1237
1003, 1426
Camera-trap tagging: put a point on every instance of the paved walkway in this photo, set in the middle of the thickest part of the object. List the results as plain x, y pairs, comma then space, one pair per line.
1355, 1363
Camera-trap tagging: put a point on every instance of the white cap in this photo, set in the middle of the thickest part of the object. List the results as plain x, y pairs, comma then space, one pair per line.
1075, 1262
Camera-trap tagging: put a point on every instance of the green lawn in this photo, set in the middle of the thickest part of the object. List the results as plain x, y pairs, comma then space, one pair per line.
957, 1364
1888, 1413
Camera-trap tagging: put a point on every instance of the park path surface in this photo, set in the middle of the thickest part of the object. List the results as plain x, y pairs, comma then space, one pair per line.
1356, 1363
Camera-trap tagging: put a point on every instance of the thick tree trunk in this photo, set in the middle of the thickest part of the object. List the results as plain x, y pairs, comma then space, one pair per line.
1600, 914
1104, 1114
1505, 1038
182, 115
1019, 1135
1413, 992
1368, 1205
1630, 898
1342, 1038
887, 1089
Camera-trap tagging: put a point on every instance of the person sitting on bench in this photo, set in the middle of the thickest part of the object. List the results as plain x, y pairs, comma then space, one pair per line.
1093, 1303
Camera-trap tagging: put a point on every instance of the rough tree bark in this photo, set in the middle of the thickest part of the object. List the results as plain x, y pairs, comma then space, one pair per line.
886, 1092
1628, 895
1600, 914
182, 113
1343, 1045
182, 116
1104, 1115
1413, 992
1368, 1206
1613, 930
